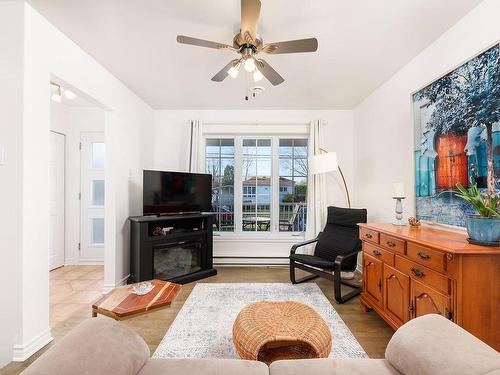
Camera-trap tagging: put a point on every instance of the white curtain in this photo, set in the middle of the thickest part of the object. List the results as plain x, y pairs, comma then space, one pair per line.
316, 192
195, 147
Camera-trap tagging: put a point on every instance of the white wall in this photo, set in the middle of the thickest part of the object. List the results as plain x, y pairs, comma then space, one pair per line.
72, 121
34, 51
11, 133
171, 145
384, 124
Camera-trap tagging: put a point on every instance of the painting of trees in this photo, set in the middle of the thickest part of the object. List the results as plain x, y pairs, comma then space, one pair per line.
465, 98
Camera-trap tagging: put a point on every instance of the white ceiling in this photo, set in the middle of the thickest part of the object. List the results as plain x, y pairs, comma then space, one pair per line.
361, 44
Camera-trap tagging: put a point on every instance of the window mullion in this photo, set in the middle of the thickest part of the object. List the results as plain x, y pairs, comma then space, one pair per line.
238, 185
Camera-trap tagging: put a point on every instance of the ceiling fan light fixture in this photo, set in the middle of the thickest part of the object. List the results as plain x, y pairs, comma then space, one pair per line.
70, 95
257, 75
234, 70
250, 65
56, 98
56, 95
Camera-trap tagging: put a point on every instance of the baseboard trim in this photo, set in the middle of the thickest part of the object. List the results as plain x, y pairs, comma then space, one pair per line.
69, 262
22, 352
257, 265
91, 263
250, 261
109, 287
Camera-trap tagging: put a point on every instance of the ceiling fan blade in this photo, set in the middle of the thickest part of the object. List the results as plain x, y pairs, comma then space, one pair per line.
222, 74
202, 43
268, 72
291, 46
250, 13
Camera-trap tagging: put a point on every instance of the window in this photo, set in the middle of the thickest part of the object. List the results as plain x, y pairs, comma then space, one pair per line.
293, 184
98, 150
249, 191
97, 192
256, 177
219, 162
259, 183
97, 231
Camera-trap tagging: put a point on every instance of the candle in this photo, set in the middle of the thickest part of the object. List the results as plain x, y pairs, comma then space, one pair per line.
399, 190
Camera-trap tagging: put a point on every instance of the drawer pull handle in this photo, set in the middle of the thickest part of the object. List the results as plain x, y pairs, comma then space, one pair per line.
377, 253
368, 235
423, 256
391, 244
417, 272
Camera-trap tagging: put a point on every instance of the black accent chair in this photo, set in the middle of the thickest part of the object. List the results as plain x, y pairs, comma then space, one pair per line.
337, 247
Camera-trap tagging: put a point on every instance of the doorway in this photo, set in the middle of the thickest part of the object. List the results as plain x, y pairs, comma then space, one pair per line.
77, 179
77, 213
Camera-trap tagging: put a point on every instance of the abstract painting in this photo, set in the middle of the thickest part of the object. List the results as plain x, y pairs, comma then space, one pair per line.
457, 138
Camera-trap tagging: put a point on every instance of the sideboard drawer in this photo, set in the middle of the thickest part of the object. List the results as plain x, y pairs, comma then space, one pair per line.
425, 275
381, 254
392, 243
428, 257
368, 235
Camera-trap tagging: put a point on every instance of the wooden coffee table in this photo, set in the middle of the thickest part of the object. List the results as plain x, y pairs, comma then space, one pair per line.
121, 304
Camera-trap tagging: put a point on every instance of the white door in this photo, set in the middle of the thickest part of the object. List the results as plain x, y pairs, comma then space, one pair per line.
56, 200
92, 198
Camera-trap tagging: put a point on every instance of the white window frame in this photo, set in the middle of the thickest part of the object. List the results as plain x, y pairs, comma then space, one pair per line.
274, 235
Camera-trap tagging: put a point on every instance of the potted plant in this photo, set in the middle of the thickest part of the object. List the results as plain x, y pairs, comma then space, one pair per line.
483, 228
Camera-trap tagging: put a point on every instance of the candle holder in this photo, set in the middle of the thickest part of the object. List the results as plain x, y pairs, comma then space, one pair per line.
399, 211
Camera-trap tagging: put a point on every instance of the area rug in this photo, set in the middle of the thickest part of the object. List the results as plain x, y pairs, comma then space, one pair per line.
203, 326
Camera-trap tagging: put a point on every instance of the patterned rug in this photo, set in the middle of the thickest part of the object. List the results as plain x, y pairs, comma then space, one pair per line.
203, 326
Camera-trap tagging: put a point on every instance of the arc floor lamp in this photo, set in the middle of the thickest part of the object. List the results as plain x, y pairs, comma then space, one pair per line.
326, 162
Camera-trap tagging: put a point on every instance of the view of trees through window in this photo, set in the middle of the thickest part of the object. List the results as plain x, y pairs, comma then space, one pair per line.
272, 199
219, 163
293, 184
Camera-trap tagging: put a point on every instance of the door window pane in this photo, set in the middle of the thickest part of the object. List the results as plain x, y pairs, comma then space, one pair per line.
293, 185
97, 230
98, 193
98, 153
219, 162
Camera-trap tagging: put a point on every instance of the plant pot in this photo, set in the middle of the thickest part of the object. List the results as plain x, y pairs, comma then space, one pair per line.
483, 229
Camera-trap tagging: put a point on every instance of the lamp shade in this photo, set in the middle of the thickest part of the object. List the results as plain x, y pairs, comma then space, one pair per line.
324, 163
399, 190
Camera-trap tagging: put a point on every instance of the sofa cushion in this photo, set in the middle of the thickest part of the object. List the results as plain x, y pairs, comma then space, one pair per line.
432, 344
327, 366
96, 346
196, 366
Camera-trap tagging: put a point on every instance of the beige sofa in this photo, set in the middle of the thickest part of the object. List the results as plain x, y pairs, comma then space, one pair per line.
427, 345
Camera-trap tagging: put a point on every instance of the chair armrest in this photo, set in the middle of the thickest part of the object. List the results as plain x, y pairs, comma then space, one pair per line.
296, 246
340, 258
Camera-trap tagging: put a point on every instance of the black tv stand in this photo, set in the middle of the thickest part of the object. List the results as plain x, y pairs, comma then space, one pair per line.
177, 248
178, 214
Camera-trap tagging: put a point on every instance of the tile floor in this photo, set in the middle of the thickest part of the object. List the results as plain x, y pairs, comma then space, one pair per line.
72, 291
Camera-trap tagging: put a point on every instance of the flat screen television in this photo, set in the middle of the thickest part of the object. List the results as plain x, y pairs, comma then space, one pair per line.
167, 193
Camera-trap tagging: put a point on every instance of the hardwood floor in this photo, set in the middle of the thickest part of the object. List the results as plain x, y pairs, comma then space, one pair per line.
74, 288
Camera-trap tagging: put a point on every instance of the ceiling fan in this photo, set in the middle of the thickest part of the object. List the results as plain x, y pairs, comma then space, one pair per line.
249, 44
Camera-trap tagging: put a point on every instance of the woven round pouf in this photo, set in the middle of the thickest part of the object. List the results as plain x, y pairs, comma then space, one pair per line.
268, 331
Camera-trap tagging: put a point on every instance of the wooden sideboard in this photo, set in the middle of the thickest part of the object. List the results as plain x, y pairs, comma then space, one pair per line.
409, 272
